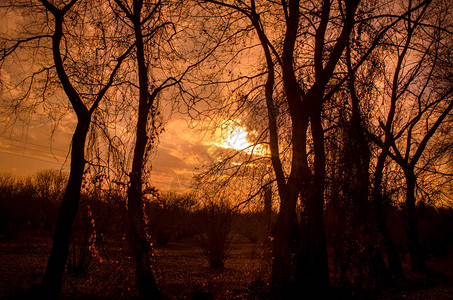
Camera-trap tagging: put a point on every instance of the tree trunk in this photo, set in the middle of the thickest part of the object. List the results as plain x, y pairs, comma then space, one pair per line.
417, 259
139, 243
284, 235
138, 238
267, 209
357, 156
312, 274
312, 266
57, 261
286, 227
394, 262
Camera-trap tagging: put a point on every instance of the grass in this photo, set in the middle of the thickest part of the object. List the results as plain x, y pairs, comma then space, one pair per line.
180, 267
182, 272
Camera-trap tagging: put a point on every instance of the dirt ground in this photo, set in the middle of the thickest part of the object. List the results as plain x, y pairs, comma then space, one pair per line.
182, 273
180, 267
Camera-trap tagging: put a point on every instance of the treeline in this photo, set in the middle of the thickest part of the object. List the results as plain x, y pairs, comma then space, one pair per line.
34, 201
31, 204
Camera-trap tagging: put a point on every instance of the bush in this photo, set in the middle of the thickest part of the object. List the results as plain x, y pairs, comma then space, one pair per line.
169, 217
254, 226
435, 229
213, 223
83, 239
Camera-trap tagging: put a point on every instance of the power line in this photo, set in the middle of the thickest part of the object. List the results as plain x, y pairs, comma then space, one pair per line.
23, 149
33, 144
31, 157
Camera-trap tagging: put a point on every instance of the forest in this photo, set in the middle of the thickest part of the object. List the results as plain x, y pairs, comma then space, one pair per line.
332, 177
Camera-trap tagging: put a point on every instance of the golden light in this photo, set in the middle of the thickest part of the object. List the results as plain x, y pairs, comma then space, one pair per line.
237, 138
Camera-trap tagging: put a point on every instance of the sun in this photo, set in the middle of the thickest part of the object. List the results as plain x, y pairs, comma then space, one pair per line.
236, 139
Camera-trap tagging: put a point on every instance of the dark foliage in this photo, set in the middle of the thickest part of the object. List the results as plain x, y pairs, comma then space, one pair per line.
214, 224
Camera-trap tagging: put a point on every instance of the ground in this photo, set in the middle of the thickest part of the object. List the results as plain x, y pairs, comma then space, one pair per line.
182, 272
180, 267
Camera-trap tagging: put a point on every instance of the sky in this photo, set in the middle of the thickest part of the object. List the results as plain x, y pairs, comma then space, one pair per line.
31, 143
27, 148
34, 143
182, 150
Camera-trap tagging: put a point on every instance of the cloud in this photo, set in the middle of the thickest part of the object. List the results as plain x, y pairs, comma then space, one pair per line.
181, 151
167, 160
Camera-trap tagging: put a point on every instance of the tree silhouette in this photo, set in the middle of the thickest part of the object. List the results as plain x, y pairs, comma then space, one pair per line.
59, 23
419, 96
149, 22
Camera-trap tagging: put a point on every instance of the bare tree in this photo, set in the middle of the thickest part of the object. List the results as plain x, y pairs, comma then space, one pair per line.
420, 103
60, 30
304, 98
153, 28
306, 54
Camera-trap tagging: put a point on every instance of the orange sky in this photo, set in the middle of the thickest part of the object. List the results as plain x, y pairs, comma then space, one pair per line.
29, 145
25, 149
182, 150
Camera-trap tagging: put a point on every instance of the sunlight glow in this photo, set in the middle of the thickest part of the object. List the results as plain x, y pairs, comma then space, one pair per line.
237, 138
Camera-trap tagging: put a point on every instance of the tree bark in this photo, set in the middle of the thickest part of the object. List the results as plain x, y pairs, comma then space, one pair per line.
312, 271
284, 235
138, 239
394, 262
417, 259
57, 261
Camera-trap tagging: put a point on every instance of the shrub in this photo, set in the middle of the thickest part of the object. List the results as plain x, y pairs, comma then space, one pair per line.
213, 223
169, 217
80, 258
